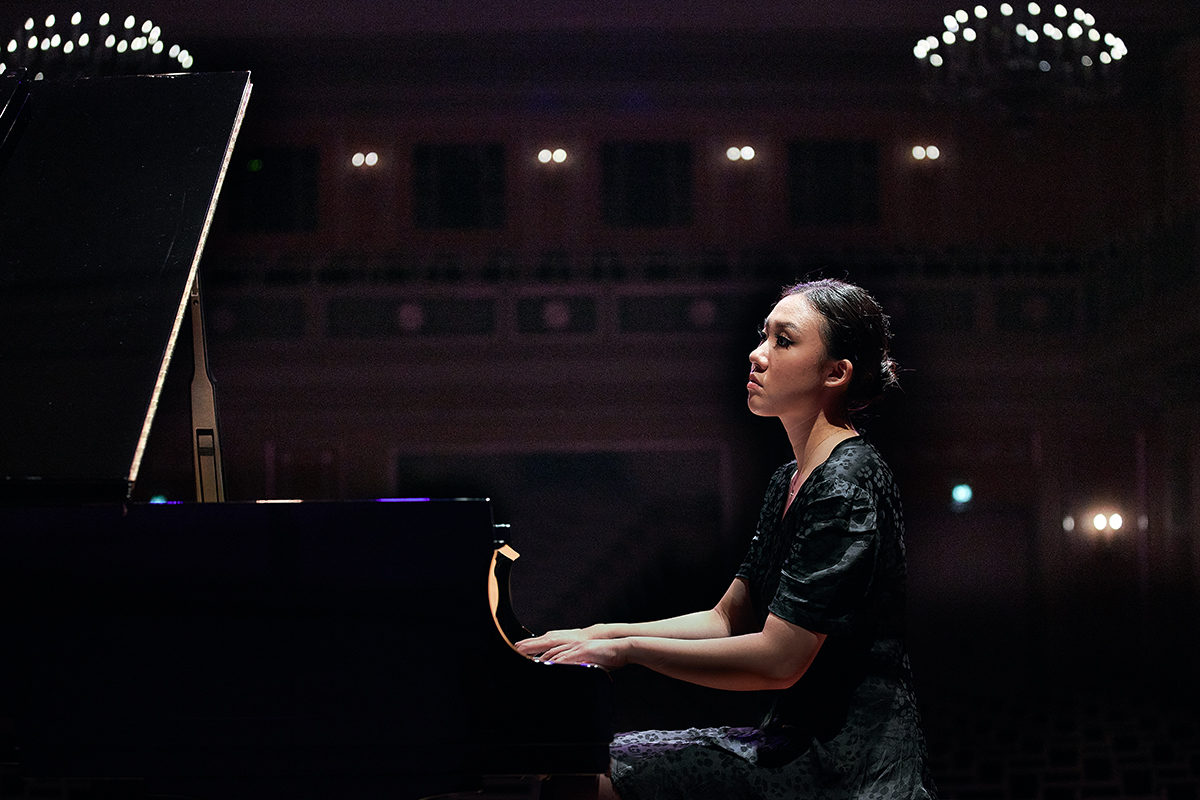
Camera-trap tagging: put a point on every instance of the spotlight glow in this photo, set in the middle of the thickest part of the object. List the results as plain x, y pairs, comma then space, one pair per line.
1105, 522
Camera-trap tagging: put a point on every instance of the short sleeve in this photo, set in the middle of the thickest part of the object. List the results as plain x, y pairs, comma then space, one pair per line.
828, 570
768, 523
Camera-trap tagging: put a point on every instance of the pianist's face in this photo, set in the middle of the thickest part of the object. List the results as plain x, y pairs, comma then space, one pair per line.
790, 367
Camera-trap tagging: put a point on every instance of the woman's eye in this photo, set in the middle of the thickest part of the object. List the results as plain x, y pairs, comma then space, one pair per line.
762, 335
782, 341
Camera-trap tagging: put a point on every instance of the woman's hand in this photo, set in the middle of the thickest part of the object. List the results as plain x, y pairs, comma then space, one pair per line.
606, 653
552, 639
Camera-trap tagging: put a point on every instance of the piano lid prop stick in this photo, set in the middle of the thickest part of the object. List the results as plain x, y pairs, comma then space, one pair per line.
210, 485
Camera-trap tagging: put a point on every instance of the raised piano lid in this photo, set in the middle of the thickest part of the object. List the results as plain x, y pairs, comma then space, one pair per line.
107, 190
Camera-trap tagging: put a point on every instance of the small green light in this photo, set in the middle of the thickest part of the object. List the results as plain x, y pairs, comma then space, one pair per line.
255, 165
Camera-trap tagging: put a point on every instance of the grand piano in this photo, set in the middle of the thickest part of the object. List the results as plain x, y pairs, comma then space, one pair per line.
218, 650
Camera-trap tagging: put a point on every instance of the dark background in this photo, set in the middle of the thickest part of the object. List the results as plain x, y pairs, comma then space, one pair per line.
570, 339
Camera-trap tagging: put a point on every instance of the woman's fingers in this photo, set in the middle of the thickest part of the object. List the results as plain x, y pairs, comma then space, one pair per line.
557, 653
605, 653
540, 644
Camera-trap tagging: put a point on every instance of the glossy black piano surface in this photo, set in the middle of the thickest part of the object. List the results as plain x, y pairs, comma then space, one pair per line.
251, 650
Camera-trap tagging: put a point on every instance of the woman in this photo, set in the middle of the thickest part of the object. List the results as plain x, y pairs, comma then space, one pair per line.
816, 611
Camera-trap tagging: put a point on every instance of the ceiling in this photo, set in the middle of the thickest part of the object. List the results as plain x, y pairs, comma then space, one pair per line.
343, 47
368, 18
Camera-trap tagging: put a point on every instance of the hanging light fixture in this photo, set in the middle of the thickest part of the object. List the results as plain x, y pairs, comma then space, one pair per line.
1020, 59
101, 44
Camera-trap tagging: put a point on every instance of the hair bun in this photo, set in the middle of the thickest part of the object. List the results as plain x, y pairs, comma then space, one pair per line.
889, 373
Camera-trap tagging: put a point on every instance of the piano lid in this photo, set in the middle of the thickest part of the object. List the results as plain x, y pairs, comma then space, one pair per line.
107, 190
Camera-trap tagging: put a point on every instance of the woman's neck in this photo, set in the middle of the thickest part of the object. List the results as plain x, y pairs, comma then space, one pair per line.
814, 438
812, 442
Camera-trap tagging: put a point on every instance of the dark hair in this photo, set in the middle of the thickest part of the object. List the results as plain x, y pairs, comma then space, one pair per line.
855, 328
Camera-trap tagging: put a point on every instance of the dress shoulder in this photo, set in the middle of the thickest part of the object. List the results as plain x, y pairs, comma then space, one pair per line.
856, 461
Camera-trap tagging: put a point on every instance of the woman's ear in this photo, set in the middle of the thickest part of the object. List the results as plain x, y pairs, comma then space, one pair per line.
839, 373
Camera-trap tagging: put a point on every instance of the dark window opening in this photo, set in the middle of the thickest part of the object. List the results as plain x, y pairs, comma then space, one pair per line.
458, 186
646, 184
272, 189
833, 183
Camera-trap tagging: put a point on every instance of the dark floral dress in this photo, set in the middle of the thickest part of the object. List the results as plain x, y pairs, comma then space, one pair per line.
849, 728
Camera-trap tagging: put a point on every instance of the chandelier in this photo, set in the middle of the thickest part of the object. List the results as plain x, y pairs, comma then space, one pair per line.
1020, 60
96, 45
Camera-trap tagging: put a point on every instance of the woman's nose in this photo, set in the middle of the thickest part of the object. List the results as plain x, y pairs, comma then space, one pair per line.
758, 356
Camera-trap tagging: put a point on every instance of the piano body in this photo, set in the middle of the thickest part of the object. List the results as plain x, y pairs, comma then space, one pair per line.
216, 649
261, 649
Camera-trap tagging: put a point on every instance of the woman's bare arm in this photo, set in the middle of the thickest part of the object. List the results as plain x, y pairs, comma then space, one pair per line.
732, 615
721, 648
